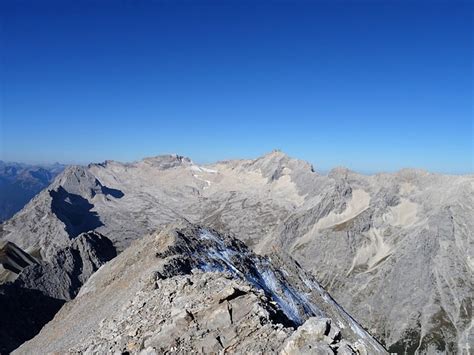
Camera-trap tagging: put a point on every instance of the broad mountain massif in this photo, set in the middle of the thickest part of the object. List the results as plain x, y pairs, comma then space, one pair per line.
243, 256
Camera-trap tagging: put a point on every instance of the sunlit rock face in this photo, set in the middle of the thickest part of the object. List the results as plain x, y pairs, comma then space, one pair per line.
377, 243
190, 289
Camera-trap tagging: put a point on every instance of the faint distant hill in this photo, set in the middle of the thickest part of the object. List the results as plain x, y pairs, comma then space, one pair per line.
19, 183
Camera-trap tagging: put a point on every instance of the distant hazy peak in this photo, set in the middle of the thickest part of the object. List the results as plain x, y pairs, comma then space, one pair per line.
19, 182
413, 172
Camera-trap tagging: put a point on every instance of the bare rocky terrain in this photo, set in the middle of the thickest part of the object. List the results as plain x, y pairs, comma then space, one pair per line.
189, 289
394, 250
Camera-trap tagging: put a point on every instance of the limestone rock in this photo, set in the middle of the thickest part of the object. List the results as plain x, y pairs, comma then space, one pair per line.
190, 289
63, 275
380, 242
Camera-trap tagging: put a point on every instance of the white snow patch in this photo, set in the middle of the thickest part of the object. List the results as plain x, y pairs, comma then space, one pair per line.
207, 170
203, 169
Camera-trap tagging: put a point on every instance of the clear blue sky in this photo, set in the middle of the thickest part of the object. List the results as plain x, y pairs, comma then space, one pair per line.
371, 85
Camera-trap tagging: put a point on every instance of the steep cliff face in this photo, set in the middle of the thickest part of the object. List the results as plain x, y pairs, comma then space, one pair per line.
377, 243
188, 288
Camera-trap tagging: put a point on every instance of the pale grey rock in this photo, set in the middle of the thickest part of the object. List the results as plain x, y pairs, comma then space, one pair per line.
398, 252
188, 289
63, 275
310, 338
395, 250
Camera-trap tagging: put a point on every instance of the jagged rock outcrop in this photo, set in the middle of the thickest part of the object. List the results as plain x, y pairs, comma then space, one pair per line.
378, 243
70, 267
42, 287
189, 289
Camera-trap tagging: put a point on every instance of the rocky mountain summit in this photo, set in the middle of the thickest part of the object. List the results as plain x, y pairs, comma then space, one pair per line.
394, 250
188, 289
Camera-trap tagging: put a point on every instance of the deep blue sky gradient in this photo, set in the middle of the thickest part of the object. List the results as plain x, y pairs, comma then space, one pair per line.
371, 85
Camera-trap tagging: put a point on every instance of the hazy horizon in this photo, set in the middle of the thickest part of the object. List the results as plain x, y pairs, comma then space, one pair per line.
371, 86
318, 168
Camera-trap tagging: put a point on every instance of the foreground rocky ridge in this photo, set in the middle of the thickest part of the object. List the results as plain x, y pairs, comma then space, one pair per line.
394, 249
188, 289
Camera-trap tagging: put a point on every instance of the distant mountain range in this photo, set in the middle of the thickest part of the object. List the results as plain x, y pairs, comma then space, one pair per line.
19, 183
394, 250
